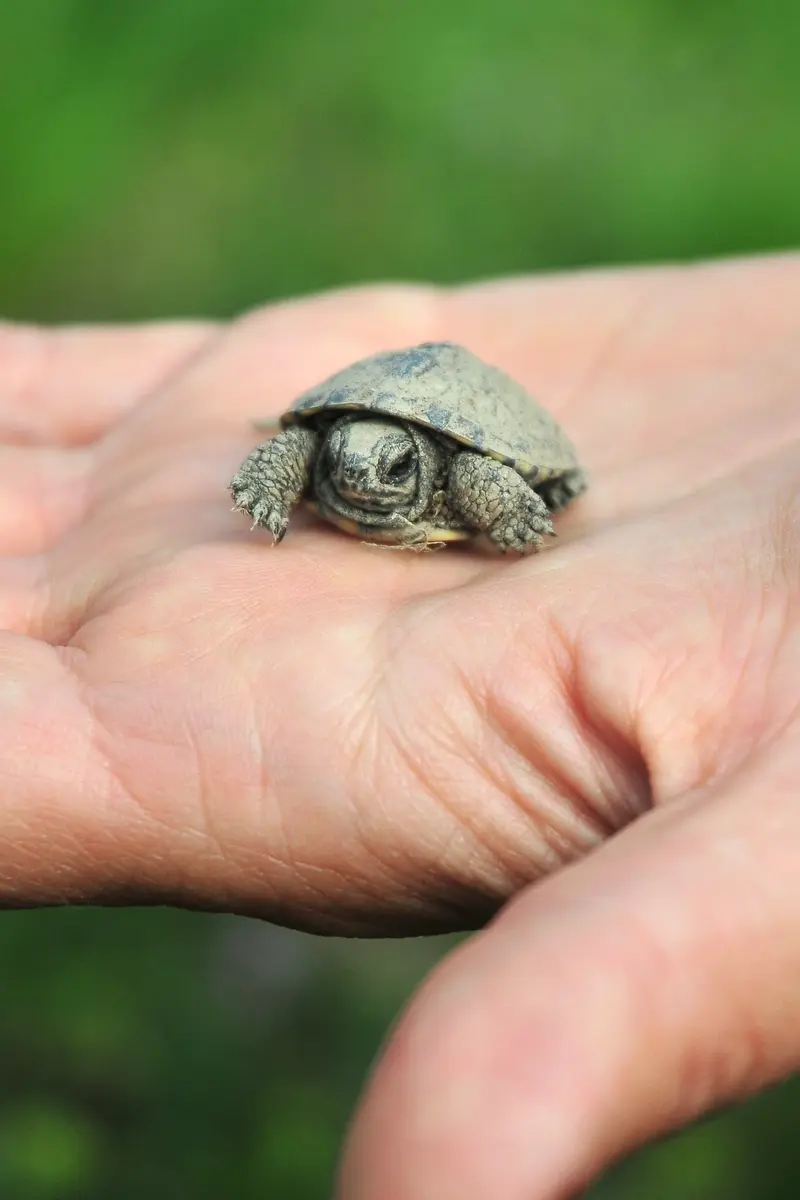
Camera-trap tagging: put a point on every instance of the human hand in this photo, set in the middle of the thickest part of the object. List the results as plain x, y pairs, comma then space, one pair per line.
354, 740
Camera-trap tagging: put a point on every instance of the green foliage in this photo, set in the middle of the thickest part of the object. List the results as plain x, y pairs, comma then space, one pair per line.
165, 1054
47, 1150
199, 156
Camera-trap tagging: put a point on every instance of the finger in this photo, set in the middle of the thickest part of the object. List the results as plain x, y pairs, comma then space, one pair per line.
267, 358
42, 493
639, 362
656, 980
68, 385
261, 362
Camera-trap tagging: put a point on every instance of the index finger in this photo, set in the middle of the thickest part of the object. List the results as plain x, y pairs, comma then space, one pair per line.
66, 386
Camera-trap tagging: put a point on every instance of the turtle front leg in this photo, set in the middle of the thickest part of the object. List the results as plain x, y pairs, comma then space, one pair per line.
274, 477
493, 498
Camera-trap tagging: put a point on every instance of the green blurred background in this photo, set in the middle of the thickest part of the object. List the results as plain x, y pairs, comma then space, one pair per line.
177, 157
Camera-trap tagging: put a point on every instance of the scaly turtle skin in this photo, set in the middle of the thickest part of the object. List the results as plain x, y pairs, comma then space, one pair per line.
412, 447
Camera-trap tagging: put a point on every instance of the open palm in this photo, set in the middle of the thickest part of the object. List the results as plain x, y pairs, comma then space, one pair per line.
350, 739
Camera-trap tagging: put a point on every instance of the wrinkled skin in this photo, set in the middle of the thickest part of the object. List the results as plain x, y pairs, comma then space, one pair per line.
381, 474
372, 464
365, 742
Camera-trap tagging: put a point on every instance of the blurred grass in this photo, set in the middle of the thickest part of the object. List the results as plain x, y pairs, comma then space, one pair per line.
205, 156
166, 1054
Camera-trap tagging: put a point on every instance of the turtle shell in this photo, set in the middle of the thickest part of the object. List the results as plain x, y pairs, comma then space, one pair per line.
446, 388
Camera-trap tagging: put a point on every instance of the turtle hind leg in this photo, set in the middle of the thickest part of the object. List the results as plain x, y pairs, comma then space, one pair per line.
274, 477
559, 492
493, 499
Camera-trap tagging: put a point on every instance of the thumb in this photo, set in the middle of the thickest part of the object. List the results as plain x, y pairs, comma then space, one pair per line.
650, 982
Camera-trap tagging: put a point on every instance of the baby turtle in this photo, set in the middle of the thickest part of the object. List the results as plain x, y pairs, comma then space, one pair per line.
415, 447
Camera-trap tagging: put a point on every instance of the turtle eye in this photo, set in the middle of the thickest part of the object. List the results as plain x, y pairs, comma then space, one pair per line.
400, 467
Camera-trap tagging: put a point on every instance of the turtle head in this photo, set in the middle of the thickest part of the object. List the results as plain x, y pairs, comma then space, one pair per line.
376, 464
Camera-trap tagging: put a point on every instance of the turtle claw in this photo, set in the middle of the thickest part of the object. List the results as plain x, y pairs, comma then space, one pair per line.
273, 478
268, 517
